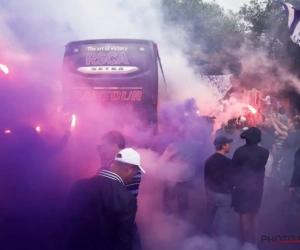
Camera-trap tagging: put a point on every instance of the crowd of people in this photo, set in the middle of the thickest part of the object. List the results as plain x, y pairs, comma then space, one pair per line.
101, 210
233, 176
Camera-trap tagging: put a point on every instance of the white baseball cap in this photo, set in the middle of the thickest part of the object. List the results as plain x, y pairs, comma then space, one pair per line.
129, 156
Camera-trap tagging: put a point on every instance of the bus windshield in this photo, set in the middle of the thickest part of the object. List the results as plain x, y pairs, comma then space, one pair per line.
113, 71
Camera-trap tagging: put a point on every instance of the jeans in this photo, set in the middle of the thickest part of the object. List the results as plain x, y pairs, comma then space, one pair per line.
180, 192
221, 203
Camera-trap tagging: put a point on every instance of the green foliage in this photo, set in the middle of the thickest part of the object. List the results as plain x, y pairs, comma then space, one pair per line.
220, 40
268, 17
212, 31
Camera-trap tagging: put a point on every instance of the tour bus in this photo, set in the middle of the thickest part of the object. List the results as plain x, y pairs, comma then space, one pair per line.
113, 72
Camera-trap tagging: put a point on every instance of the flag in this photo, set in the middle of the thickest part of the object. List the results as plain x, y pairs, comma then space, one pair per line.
293, 15
219, 84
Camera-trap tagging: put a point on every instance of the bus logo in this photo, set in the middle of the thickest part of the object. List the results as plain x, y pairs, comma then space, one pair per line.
108, 70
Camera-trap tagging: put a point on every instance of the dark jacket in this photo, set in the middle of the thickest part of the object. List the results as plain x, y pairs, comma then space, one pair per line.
295, 182
249, 161
267, 137
101, 214
218, 174
133, 186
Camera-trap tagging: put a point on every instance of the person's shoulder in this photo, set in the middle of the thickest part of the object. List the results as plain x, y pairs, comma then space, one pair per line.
81, 187
116, 187
82, 182
264, 151
227, 158
211, 158
224, 159
239, 149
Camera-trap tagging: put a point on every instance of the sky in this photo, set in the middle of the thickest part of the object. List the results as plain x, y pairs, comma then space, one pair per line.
231, 4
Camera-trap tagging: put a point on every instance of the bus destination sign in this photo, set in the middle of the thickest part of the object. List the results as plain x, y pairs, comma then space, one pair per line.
106, 95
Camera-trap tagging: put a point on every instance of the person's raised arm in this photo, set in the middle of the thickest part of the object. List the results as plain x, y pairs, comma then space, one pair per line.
281, 125
264, 99
168, 153
278, 130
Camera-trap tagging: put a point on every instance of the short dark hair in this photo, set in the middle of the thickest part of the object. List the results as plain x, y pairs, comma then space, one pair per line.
219, 147
116, 137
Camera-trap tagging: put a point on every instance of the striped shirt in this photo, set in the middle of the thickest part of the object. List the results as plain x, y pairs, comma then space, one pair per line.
111, 175
134, 184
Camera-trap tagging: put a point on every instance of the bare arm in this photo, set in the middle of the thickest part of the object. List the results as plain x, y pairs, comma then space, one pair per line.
281, 125
169, 152
279, 131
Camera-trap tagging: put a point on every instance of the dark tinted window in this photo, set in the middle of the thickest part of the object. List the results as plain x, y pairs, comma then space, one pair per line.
99, 59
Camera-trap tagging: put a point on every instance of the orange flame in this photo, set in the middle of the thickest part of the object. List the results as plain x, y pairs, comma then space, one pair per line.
253, 110
4, 69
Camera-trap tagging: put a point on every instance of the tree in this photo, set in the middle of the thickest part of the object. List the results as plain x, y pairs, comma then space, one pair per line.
268, 18
214, 33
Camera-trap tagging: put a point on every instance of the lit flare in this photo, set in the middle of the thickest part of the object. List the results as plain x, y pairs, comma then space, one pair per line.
73, 122
252, 110
38, 129
4, 69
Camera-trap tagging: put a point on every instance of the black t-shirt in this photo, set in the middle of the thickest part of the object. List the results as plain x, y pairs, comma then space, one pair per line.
218, 174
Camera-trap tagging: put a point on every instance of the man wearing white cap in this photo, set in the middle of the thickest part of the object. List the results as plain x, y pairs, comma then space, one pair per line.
102, 211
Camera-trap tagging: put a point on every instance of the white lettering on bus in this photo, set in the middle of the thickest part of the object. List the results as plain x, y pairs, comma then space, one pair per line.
103, 48
111, 58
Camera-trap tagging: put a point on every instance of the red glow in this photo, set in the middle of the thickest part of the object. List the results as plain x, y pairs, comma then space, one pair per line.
7, 131
4, 69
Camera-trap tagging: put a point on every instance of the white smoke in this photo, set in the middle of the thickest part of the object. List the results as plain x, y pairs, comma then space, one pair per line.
49, 25
38, 30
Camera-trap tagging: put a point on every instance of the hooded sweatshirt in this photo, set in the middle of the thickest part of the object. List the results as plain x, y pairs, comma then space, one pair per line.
249, 161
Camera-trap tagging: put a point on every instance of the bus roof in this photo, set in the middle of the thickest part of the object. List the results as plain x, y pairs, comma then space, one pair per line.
116, 40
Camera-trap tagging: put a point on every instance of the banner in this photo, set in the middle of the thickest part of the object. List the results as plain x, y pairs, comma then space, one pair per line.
293, 15
219, 84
